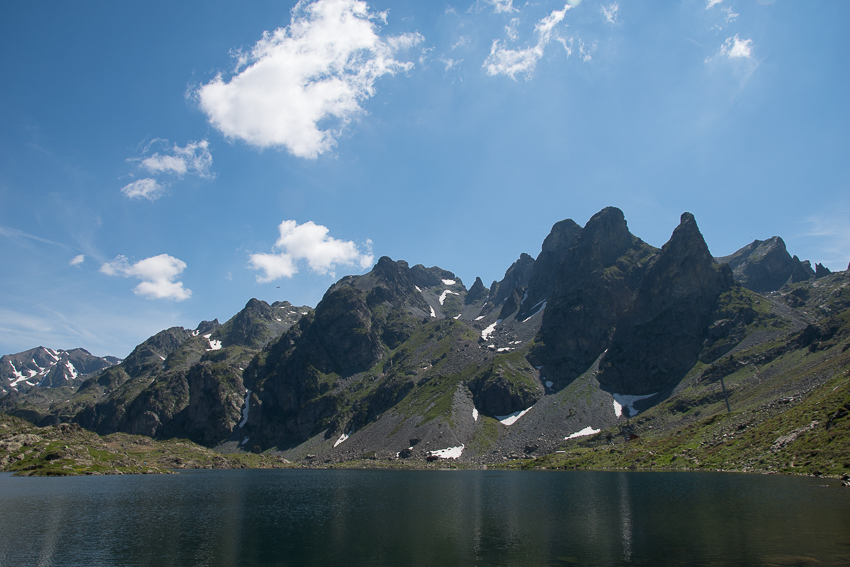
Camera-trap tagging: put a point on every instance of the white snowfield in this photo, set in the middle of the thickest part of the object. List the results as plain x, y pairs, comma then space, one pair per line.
245, 409
448, 453
342, 438
507, 420
625, 401
485, 334
433, 313
214, 344
584, 432
449, 282
474, 413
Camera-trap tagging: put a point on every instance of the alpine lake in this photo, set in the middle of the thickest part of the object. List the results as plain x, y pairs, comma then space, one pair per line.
428, 518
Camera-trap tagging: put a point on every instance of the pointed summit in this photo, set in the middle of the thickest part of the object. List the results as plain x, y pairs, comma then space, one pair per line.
660, 336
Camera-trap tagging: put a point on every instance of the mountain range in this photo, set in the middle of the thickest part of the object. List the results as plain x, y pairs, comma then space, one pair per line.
600, 336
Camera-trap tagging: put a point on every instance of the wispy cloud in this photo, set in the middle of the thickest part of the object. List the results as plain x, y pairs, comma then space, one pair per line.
711, 3
735, 48
835, 234
512, 62
157, 275
194, 158
300, 85
77, 260
17, 234
502, 6
146, 188
308, 242
611, 11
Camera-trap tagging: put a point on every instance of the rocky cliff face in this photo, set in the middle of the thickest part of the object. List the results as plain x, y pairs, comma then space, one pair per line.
660, 335
595, 282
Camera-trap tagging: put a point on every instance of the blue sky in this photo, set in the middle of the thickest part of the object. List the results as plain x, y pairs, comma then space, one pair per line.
163, 162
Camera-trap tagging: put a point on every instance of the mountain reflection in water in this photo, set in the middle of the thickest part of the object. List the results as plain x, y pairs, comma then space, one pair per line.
409, 518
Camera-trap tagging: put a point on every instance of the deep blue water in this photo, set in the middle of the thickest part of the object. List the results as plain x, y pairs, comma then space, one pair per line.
409, 518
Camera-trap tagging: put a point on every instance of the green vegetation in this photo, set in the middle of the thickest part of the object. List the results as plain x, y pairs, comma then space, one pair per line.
69, 450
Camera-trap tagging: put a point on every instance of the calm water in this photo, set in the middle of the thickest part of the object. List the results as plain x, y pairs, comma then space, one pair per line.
344, 518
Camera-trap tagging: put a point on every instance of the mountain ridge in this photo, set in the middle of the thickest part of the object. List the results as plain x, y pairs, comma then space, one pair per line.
405, 363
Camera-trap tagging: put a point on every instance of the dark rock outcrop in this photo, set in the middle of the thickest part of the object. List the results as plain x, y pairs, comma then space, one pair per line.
548, 265
659, 338
594, 287
517, 276
476, 293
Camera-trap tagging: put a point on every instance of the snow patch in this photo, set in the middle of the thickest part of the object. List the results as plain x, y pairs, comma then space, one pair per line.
511, 419
625, 401
618, 409
449, 282
417, 288
208, 335
445, 294
586, 431
245, 440
342, 438
474, 413
448, 453
433, 313
214, 344
162, 357
245, 409
537, 309
458, 315
549, 384
479, 317
504, 349
485, 334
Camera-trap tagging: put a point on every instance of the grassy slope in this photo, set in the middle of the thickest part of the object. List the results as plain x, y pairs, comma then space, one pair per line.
69, 450
806, 430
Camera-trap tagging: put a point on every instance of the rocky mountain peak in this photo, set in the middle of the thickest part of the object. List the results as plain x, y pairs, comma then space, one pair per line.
766, 265
476, 293
661, 334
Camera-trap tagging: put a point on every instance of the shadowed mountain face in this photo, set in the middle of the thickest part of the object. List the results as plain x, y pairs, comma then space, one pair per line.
660, 335
403, 361
592, 286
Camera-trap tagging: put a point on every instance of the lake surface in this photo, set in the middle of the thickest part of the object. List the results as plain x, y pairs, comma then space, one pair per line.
409, 518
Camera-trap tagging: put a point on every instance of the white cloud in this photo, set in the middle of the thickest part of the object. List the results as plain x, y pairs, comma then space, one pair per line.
157, 274
316, 70
611, 11
502, 6
711, 3
144, 189
308, 242
586, 51
450, 63
193, 158
735, 47
77, 260
511, 62
730, 15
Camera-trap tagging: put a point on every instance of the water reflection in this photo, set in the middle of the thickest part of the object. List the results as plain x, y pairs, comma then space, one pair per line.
353, 518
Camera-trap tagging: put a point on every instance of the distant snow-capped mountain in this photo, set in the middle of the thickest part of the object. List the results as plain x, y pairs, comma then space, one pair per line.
48, 368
